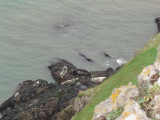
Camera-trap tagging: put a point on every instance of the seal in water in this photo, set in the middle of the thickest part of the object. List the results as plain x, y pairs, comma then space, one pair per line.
86, 58
106, 55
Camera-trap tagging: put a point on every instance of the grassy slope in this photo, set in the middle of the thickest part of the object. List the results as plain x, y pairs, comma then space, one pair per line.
125, 75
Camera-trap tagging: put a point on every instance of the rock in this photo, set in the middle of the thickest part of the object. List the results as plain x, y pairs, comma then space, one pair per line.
157, 20
66, 73
83, 87
61, 70
154, 107
147, 77
117, 99
65, 114
108, 72
101, 118
37, 100
98, 79
132, 111
78, 84
81, 102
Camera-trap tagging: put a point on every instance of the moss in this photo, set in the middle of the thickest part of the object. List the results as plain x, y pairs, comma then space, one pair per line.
114, 114
58, 94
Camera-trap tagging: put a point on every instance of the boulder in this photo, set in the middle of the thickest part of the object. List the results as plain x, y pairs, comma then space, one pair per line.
117, 99
147, 77
80, 103
133, 111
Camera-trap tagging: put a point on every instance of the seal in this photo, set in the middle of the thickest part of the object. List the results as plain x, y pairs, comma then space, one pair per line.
86, 58
107, 55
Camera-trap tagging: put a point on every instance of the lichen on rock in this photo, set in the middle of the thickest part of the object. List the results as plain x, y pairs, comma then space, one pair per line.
132, 111
117, 99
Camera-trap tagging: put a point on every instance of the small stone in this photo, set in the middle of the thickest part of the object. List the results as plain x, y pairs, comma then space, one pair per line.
83, 87
78, 83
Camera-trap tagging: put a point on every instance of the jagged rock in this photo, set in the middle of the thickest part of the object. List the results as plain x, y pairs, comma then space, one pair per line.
117, 99
154, 107
81, 102
65, 114
61, 70
147, 77
132, 111
37, 100
105, 73
157, 61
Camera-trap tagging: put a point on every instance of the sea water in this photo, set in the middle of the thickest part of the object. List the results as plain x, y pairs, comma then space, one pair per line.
33, 32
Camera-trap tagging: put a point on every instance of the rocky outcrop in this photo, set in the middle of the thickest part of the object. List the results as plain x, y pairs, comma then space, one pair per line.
82, 100
157, 20
133, 111
142, 103
38, 100
66, 73
117, 99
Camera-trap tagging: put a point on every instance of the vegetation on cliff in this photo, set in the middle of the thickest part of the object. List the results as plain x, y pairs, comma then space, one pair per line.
128, 73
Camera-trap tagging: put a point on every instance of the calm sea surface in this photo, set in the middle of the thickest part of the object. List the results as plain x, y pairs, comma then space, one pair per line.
33, 32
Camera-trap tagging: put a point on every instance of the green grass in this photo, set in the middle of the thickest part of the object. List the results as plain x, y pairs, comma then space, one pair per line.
128, 73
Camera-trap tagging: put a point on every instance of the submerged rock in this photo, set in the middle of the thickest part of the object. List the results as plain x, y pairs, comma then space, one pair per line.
37, 100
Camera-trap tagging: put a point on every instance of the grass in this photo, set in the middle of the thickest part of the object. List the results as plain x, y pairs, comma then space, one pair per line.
128, 73
114, 114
